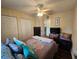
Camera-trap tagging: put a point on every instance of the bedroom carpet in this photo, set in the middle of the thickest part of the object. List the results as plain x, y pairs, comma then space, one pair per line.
62, 54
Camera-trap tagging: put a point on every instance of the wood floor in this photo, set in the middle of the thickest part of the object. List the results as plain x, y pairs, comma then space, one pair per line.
62, 54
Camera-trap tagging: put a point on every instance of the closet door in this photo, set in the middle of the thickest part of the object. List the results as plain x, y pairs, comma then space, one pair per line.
8, 27
25, 28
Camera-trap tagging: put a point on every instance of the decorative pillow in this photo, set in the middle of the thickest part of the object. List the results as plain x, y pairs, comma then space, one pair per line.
7, 41
29, 52
15, 48
61, 36
21, 44
18, 42
26, 50
65, 36
6, 52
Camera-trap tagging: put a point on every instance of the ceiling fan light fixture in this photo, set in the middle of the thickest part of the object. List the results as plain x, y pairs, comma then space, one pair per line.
39, 14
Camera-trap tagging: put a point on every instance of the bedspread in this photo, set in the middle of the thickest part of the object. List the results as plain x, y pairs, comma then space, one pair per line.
43, 50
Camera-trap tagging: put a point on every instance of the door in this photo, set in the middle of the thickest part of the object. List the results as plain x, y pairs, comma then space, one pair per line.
25, 28
8, 27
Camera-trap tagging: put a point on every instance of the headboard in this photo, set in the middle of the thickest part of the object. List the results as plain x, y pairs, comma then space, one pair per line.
55, 30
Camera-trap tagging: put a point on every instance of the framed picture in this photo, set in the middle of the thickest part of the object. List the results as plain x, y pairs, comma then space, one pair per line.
57, 21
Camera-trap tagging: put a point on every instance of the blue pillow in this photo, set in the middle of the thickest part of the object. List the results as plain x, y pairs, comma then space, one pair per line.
18, 42
15, 48
7, 41
26, 50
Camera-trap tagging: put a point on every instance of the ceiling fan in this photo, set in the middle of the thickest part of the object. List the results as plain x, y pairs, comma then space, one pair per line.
40, 10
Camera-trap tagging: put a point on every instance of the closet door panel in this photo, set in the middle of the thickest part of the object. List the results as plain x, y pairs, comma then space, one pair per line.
25, 29
9, 27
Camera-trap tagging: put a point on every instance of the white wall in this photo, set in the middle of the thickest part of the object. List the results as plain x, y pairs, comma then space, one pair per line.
74, 34
65, 21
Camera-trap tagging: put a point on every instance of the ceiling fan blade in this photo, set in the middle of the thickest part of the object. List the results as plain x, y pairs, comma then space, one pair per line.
38, 9
45, 10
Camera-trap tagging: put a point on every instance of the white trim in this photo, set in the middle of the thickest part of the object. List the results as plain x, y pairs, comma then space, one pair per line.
72, 54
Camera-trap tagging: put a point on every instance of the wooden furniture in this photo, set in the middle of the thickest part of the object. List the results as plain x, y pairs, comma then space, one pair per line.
63, 40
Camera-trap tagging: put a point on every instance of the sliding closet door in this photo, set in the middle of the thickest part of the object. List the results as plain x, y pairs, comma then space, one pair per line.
25, 28
8, 27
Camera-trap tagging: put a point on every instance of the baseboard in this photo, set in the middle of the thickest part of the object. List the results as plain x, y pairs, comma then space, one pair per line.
74, 56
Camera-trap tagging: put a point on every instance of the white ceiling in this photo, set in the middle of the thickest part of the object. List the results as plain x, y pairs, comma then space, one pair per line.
28, 6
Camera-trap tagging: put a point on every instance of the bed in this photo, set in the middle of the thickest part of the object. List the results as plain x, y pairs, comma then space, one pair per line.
45, 48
